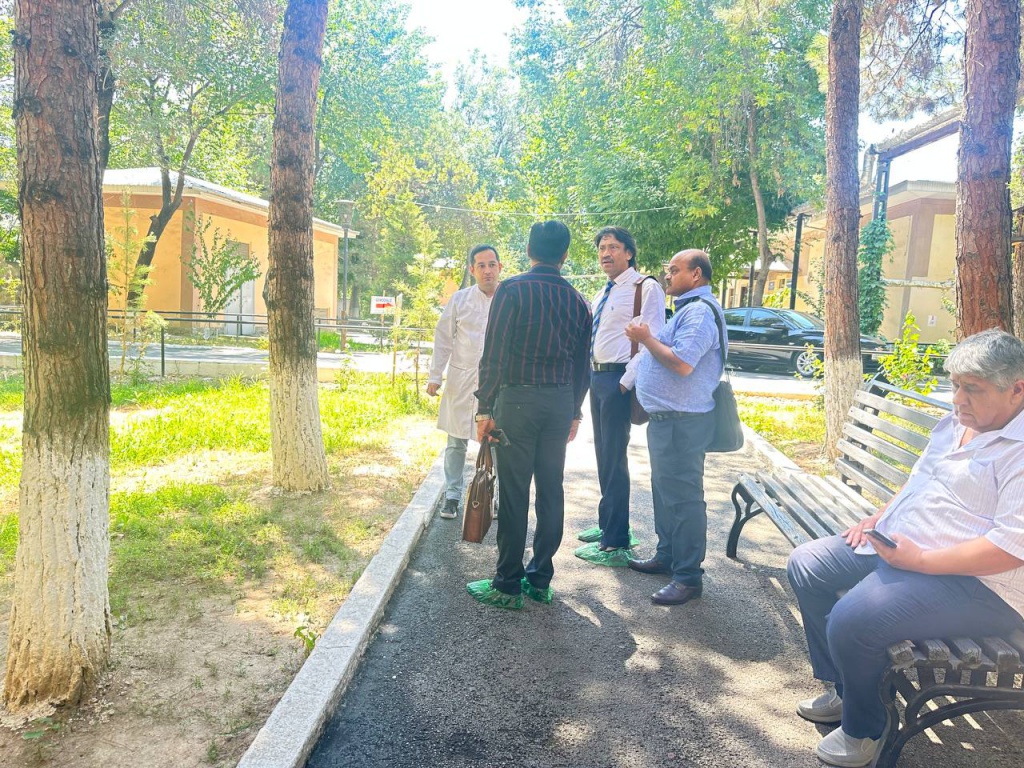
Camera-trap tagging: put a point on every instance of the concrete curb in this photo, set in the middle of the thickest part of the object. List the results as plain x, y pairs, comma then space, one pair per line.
775, 457
293, 728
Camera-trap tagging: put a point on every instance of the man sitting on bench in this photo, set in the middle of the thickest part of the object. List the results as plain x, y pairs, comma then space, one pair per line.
957, 564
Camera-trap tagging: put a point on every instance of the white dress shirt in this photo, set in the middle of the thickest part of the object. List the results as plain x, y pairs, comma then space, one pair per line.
611, 344
955, 494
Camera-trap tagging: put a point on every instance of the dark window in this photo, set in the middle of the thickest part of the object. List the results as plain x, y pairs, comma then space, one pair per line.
762, 318
735, 316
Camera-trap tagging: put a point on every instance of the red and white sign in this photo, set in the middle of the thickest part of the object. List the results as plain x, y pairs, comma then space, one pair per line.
382, 305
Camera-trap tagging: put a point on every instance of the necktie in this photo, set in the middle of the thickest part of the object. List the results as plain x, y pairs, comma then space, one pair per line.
597, 314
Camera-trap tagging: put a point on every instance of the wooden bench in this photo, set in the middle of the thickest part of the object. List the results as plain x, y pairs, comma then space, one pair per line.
885, 432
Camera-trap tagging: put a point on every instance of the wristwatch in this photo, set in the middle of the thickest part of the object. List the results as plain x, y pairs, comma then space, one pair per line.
483, 417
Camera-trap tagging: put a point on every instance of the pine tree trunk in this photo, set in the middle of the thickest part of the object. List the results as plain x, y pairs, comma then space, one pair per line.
983, 218
300, 463
60, 626
842, 211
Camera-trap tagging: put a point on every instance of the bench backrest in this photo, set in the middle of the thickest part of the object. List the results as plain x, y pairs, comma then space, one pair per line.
884, 434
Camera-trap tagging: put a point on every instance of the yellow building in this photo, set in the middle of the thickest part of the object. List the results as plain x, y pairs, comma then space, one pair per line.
919, 270
240, 217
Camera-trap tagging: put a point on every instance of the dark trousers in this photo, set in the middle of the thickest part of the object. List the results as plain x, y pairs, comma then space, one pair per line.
609, 410
847, 637
677, 449
536, 421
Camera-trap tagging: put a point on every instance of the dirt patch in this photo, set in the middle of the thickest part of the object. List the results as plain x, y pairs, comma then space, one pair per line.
196, 670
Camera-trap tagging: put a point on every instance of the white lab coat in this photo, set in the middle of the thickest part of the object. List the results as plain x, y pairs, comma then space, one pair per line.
458, 345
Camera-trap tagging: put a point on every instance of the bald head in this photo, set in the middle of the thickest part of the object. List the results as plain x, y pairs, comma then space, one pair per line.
687, 270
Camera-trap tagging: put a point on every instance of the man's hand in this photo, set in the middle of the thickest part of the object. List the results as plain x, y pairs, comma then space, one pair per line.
572, 430
854, 535
432, 389
482, 428
906, 555
622, 389
639, 333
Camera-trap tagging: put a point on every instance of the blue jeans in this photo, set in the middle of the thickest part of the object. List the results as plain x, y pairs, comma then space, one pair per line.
677, 448
455, 467
847, 637
609, 410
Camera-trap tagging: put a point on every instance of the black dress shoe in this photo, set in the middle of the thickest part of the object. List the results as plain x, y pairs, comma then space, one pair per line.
675, 593
654, 565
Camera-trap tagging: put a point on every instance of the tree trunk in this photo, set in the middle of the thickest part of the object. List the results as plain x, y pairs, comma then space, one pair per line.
983, 218
300, 463
757, 295
842, 211
59, 637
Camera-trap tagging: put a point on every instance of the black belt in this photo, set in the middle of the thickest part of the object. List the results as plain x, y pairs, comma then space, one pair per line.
671, 415
608, 367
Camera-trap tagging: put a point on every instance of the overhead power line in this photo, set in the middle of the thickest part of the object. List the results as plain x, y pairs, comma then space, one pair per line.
534, 215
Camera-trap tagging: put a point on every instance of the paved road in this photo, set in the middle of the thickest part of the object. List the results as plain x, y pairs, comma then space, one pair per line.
602, 678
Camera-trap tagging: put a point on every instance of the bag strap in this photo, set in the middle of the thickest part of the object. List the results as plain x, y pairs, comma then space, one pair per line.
634, 347
721, 333
484, 460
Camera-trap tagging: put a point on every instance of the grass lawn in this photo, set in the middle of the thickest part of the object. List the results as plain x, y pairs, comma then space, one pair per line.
215, 577
795, 427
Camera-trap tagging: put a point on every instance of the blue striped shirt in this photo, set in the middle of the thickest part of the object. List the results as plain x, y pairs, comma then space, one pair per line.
693, 336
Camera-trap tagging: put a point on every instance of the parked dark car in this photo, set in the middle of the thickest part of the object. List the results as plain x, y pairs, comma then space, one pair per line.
759, 336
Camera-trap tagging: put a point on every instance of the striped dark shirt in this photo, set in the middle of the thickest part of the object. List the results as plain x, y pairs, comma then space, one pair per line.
538, 332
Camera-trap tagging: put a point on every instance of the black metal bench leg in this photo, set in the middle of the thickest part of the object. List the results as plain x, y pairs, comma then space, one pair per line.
742, 516
892, 745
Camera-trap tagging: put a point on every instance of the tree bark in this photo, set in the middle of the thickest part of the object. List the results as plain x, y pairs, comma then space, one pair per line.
983, 217
757, 296
60, 623
842, 210
299, 460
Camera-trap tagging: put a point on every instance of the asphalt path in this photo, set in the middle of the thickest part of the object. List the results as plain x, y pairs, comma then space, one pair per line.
602, 677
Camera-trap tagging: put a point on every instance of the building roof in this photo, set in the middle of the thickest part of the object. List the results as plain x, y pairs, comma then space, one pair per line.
134, 179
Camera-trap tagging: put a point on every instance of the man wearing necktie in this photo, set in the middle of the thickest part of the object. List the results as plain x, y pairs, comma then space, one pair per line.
613, 308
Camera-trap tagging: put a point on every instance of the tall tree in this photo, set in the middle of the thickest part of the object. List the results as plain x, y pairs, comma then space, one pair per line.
983, 219
60, 621
842, 212
300, 463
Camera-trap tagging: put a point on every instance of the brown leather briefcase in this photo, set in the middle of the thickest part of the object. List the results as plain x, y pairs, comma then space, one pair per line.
480, 501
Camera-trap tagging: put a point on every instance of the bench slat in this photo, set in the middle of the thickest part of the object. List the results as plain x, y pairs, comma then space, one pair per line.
857, 504
845, 512
778, 489
909, 394
769, 507
916, 440
1002, 653
894, 475
908, 436
894, 452
818, 507
968, 650
848, 470
925, 420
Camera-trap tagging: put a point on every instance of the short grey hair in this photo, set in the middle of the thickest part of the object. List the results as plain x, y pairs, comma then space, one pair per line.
993, 355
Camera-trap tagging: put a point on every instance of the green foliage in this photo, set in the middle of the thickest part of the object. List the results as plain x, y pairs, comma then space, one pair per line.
876, 242
777, 299
782, 423
130, 323
908, 367
307, 637
219, 266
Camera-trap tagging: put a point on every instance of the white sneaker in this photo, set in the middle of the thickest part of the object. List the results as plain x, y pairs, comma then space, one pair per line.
845, 751
826, 708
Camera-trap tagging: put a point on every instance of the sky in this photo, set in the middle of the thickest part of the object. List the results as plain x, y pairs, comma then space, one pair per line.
460, 26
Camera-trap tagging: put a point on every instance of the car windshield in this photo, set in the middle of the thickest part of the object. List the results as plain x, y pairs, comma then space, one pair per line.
803, 320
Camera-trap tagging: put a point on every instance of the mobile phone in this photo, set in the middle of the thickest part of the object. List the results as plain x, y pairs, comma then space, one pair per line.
880, 538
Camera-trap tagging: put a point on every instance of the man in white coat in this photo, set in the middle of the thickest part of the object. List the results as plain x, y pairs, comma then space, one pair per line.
458, 344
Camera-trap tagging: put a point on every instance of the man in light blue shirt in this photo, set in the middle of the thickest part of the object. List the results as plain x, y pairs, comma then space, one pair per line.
675, 377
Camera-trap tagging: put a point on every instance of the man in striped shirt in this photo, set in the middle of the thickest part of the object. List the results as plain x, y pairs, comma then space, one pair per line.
533, 378
957, 564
